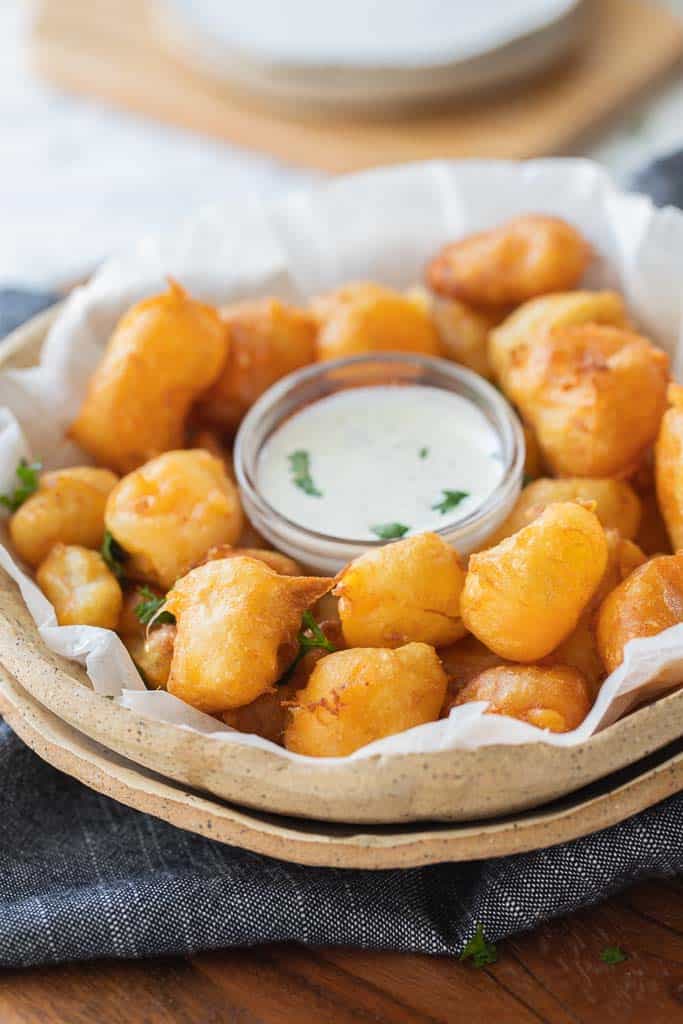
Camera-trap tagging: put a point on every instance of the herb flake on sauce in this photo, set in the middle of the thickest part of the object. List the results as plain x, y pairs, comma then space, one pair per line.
390, 531
423, 453
451, 499
300, 471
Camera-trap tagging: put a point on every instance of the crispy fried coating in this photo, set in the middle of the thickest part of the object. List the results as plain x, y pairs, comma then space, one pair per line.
464, 333
462, 661
617, 505
405, 591
67, 508
647, 602
267, 340
370, 318
528, 256
168, 513
525, 596
237, 628
652, 536
280, 563
533, 460
555, 698
80, 587
152, 653
595, 396
508, 344
669, 466
163, 354
266, 716
354, 697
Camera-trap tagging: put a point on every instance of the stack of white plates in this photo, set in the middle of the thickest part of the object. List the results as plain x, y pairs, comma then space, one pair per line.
370, 54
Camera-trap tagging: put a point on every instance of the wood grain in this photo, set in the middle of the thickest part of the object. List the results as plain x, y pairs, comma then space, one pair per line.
109, 50
552, 975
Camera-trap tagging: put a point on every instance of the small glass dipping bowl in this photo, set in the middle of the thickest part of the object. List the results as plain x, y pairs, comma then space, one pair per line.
327, 554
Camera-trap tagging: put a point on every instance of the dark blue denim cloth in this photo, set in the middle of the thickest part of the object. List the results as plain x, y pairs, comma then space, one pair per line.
82, 876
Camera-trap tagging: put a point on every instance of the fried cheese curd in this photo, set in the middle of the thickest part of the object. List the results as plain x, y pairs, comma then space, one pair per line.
267, 339
237, 626
528, 256
595, 396
669, 466
164, 352
366, 317
81, 588
617, 505
152, 653
278, 562
647, 602
401, 592
168, 513
67, 508
555, 698
463, 331
462, 661
357, 696
580, 649
508, 344
524, 596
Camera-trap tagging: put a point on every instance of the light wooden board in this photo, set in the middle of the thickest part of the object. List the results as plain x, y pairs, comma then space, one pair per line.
109, 50
319, 843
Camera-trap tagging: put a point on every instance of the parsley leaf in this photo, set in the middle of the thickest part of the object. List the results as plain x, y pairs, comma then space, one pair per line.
146, 609
389, 531
451, 499
479, 950
613, 955
423, 453
300, 470
113, 555
311, 637
28, 475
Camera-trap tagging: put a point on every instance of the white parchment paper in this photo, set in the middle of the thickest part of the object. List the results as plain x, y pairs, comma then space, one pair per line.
382, 225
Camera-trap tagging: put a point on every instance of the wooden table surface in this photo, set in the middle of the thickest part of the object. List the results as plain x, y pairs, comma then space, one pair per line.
553, 974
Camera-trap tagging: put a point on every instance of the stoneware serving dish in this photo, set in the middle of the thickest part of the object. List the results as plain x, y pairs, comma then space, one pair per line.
447, 785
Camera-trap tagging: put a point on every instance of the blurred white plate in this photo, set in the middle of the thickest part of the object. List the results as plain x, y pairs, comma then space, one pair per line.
370, 53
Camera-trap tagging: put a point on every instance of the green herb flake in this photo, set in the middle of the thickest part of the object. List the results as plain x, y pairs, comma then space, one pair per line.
311, 637
300, 471
423, 453
479, 950
390, 531
451, 499
28, 475
148, 609
613, 955
113, 555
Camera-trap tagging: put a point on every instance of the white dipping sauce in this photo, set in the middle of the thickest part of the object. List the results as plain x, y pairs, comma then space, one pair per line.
384, 457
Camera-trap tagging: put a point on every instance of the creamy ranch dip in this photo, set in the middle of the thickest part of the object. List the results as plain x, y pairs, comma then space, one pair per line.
381, 462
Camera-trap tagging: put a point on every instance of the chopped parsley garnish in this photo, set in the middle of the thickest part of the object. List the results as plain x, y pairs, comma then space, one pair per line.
479, 950
390, 531
113, 555
423, 453
613, 955
300, 470
28, 475
148, 609
311, 637
451, 499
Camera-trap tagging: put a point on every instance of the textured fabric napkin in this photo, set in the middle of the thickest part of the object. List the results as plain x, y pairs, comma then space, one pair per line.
82, 876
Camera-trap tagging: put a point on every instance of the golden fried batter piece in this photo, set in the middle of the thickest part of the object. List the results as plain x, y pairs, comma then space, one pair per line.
80, 587
266, 716
509, 343
555, 698
168, 513
464, 333
370, 318
646, 603
408, 590
357, 696
595, 397
152, 653
617, 506
525, 596
533, 460
237, 628
267, 340
282, 564
580, 649
462, 661
163, 354
652, 536
669, 466
68, 508
528, 256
